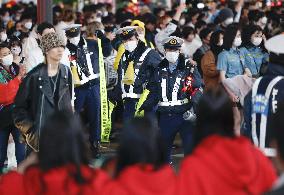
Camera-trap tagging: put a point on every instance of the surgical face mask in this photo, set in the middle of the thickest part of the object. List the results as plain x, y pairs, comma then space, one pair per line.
237, 42
3, 37
172, 56
264, 20
228, 21
7, 60
75, 40
182, 21
6, 19
256, 41
105, 14
16, 50
220, 42
28, 25
141, 37
98, 20
130, 45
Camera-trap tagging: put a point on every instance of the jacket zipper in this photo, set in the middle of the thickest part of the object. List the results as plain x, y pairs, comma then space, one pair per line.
40, 119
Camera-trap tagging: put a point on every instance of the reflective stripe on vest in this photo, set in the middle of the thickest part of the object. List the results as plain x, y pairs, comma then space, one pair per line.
136, 72
263, 121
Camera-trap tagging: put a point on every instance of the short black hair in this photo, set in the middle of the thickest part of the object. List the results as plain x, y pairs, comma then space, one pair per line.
200, 24
205, 32
187, 31
214, 116
3, 45
42, 26
230, 35
147, 146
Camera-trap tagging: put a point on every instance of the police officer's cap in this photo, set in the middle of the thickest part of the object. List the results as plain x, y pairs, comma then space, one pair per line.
275, 48
172, 42
127, 32
275, 44
73, 30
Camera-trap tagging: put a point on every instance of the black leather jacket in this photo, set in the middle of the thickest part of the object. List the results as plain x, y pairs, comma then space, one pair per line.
34, 101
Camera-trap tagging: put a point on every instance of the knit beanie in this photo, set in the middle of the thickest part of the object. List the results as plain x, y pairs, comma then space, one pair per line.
224, 14
50, 41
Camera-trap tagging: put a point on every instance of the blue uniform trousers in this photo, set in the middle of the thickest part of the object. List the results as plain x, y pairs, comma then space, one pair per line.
129, 105
170, 125
88, 99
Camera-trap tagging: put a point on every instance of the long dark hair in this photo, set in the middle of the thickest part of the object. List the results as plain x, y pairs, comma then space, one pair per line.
214, 40
230, 35
140, 143
62, 143
214, 116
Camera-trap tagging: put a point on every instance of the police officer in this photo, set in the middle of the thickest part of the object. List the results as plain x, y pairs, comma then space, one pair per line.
175, 88
264, 99
84, 62
134, 69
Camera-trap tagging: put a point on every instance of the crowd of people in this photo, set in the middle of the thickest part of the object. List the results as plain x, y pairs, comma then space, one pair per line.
212, 73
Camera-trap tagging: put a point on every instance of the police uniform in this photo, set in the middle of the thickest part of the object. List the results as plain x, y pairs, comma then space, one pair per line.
175, 91
143, 60
232, 62
84, 62
262, 102
255, 57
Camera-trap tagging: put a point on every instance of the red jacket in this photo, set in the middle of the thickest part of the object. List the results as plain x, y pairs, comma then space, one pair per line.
229, 166
8, 91
138, 180
55, 182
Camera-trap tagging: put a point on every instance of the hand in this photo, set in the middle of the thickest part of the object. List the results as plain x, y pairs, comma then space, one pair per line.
234, 98
32, 159
181, 7
99, 34
248, 73
194, 63
22, 71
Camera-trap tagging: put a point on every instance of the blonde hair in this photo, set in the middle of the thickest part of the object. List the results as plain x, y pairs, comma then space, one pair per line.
92, 27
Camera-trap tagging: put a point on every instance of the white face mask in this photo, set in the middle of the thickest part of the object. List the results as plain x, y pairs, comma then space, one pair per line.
256, 41
141, 37
130, 45
237, 42
182, 21
3, 37
98, 20
220, 42
264, 20
75, 40
7, 60
28, 25
228, 21
172, 56
16, 50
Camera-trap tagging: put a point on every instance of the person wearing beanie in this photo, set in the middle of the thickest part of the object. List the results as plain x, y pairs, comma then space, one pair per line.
263, 101
224, 18
46, 89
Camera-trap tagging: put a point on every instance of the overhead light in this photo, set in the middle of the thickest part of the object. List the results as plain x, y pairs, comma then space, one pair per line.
200, 5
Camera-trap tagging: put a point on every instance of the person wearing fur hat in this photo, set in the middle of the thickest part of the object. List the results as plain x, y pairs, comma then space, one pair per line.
176, 87
262, 103
46, 88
